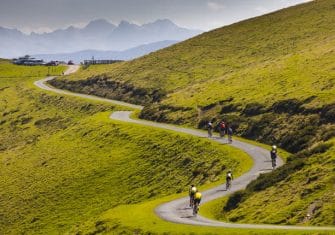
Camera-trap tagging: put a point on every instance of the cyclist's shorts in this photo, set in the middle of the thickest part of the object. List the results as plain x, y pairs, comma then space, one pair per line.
197, 200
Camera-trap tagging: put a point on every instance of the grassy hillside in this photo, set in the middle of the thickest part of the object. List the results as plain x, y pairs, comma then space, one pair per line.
302, 197
64, 162
271, 77
267, 50
274, 65
9, 70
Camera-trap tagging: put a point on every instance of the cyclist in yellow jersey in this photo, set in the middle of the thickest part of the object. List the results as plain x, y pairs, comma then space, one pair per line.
192, 192
197, 197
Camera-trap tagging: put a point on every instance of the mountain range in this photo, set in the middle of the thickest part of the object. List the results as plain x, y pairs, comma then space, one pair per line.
96, 35
128, 54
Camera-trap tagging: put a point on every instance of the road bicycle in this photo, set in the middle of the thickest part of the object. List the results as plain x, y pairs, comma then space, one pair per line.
274, 164
230, 139
228, 184
191, 201
195, 208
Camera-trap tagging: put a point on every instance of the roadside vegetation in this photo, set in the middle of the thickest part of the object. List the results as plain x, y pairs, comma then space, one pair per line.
64, 162
9, 70
302, 192
272, 78
140, 219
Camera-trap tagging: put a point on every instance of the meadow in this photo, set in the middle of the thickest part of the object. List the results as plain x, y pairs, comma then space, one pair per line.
272, 78
64, 162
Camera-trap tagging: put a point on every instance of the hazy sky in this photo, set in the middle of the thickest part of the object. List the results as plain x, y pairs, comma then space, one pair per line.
46, 15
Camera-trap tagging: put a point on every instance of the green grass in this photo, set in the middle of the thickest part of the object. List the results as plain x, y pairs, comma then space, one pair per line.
308, 191
65, 162
285, 59
271, 77
233, 69
8, 70
140, 219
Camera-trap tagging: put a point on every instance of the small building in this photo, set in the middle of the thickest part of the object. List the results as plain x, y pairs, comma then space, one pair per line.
27, 60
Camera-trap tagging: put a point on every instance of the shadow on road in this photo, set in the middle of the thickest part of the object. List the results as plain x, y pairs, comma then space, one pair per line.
183, 209
221, 190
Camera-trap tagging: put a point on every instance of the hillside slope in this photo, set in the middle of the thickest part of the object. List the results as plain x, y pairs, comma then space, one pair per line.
63, 161
270, 48
271, 77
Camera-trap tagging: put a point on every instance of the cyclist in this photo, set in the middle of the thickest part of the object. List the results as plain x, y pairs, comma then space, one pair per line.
229, 178
273, 154
192, 192
210, 129
197, 200
222, 128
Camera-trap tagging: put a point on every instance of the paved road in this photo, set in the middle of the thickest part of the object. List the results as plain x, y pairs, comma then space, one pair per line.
177, 211
72, 69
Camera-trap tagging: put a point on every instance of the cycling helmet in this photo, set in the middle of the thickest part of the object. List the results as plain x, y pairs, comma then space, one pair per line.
274, 147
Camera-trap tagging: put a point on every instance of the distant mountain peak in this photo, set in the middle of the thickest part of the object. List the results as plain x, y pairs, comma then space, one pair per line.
99, 23
161, 23
124, 23
98, 34
164, 21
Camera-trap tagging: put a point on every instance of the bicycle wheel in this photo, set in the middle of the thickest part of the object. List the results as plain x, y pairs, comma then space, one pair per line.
273, 163
191, 202
228, 185
195, 208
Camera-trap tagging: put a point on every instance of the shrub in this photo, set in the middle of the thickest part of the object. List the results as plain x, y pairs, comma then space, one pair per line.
208, 107
321, 148
328, 114
287, 106
269, 179
253, 109
234, 200
229, 108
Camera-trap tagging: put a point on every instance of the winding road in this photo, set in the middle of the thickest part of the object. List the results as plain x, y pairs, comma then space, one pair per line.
178, 211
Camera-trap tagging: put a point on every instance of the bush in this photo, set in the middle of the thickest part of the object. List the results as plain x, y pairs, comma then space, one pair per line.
208, 107
328, 114
229, 108
328, 133
234, 200
269, 179
253, 109
101, 86
287, 106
